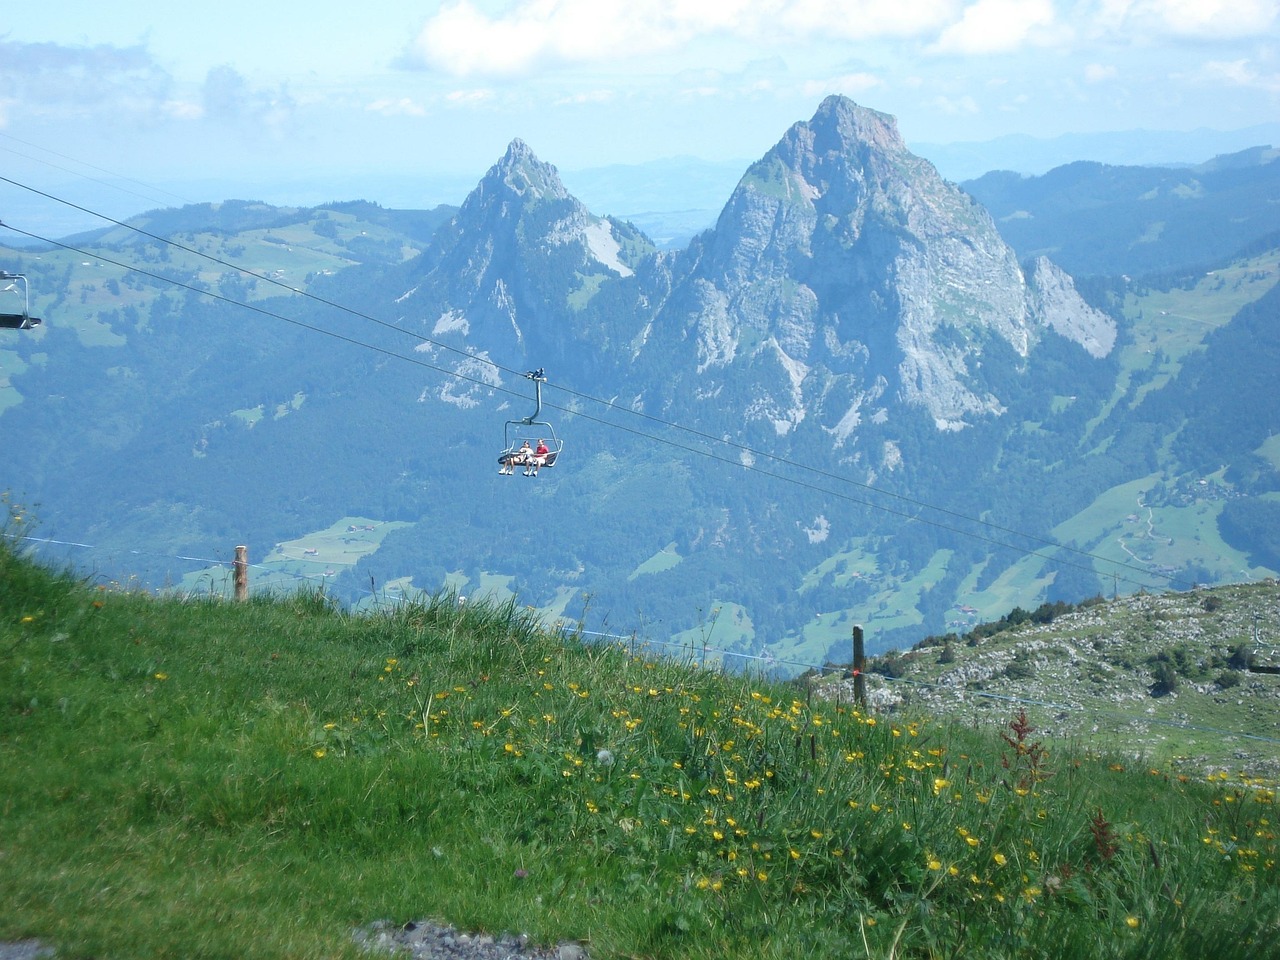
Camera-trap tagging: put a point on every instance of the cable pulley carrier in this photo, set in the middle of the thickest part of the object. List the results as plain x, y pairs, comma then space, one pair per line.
20, 321
530, 443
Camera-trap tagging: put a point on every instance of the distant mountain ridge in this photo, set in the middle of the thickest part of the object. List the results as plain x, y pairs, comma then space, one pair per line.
1034, 156
1098, 219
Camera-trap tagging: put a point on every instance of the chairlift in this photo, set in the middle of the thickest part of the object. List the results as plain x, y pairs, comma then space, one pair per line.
518, 435
17, 321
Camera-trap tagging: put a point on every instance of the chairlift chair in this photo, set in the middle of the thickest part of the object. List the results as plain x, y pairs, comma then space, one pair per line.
517, 432
17, 321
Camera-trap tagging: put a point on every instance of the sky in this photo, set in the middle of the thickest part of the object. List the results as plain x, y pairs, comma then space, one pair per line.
174, 100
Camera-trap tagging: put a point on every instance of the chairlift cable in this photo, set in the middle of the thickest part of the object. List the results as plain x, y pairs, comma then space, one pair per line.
611, 405
257, 276
85, 176
608, 404
259, 310
696, 451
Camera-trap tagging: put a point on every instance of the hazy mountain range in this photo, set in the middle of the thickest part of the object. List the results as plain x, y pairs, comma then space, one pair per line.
858, 397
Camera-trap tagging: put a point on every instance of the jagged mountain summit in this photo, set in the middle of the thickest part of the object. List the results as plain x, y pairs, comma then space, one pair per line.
846, 276
508, 273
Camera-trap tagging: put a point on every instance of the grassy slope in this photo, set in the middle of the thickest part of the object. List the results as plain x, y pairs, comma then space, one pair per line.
302, 562
216, 780
1166, 325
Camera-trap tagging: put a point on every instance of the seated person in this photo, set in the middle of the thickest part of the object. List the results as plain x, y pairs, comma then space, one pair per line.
539, 457
522, 457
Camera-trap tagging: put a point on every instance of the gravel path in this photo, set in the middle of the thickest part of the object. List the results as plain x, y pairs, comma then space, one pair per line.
425, 940
25, 950
421, 940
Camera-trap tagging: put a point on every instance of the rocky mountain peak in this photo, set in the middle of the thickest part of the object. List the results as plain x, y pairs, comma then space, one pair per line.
520, 259
522, 174
841, 126
849, 269
844, 281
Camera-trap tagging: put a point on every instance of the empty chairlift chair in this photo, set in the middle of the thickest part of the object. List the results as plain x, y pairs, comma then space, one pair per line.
16, 284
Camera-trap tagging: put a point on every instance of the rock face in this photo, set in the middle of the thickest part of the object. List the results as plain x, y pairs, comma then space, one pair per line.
845, 275
1058, 305
844, 282
508, 274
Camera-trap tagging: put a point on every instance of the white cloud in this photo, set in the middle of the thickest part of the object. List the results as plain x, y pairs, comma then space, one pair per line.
1099, 73
183, 110
998, 26
588, 96
1239, 73
226, 96
78, 80
957, 106
699, 92
1189, 19
859, 19
463, 40
397, 107
468, 97
850, 84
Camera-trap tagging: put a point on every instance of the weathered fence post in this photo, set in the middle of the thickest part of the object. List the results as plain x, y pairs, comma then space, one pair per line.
859, 665
241, 573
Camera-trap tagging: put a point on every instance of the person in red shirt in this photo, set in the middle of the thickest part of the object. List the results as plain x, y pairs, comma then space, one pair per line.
539, 458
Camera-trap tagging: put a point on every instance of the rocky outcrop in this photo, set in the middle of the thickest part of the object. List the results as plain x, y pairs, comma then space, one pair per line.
842, 264
1057, 305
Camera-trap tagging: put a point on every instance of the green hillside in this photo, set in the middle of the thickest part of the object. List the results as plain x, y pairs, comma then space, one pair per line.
87, 290
275, 778
1098, 219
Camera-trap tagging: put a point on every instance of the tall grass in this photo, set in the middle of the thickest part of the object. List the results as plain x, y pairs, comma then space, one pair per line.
205, 779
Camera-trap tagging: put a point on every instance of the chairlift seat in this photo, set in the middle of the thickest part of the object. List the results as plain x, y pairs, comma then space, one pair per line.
528, 431
17, 284
509, 457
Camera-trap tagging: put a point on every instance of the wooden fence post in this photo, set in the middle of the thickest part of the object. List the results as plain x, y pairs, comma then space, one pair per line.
859, 666
241, 573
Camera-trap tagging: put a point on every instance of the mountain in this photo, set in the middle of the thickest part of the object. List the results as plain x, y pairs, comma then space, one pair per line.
1093, 218
520, 258
845, 276
851, 400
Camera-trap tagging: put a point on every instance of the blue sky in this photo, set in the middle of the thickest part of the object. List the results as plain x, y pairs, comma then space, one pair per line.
174, 95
